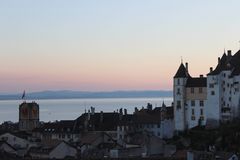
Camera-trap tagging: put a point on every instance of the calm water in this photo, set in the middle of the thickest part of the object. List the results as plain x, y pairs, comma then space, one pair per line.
67, 109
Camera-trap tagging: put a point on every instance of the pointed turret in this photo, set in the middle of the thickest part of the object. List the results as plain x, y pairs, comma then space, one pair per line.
182, 71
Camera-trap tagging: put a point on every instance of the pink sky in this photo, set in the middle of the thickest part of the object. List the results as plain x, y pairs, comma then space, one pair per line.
110, 45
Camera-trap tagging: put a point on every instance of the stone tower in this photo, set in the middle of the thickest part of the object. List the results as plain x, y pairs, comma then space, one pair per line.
28, 116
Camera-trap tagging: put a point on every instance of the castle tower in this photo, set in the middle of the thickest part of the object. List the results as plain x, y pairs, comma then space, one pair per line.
179, 97
28, 116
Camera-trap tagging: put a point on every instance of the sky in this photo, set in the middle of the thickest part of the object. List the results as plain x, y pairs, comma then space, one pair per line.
108, 45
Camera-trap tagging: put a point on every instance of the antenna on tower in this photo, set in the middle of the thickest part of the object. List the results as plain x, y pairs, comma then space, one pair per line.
181, 59
239, 44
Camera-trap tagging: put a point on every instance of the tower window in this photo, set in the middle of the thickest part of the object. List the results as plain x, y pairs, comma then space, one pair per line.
178, 104
201, 103
178, 81
178, 91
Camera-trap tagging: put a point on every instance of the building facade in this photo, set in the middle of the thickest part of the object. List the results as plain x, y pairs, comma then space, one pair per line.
190, 94
223, 96
207, 100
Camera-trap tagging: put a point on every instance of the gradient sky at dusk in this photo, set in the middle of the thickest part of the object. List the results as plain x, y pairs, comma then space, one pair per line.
111, 45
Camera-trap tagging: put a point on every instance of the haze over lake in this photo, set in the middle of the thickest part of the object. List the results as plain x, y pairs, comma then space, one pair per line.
67, 109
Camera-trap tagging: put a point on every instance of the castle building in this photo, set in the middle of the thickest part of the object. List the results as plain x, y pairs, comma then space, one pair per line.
190, 95
207, 100
223, 97
28, 116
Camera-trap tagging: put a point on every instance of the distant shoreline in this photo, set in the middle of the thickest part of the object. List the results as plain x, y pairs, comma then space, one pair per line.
67, 94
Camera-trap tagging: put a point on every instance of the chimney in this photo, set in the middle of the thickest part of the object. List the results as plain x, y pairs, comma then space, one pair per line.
92, 110
101, 116
201, 76
136, 110
120, 114
186, 64
219, 60
121, 111
229, 53
211, 69
89, 116
125, 111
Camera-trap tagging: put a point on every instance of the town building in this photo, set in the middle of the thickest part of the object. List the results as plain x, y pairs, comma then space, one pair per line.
157, 122
28, 116
57, 150
64, 130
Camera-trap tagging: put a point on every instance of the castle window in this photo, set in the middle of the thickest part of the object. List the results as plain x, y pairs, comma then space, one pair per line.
192, 90
158, 126
193, 113
230, 99
201, 111
178, 104
211, 85
193, 118
201, 103
178, 91
192, 103
178, 81
212, 93
200, 90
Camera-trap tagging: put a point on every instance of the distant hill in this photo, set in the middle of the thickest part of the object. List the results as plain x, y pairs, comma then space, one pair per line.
67, 94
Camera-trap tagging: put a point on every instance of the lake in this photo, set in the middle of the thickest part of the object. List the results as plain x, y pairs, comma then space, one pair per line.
68, 109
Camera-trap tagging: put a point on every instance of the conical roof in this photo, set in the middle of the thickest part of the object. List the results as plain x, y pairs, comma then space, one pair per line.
181, 72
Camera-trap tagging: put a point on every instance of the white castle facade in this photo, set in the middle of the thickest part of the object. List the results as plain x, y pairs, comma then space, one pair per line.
207, 100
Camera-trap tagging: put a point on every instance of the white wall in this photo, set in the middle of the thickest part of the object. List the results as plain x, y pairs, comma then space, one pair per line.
213, 106
179, 114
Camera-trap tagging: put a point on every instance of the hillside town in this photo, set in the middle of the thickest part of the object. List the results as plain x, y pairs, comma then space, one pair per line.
201, 124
